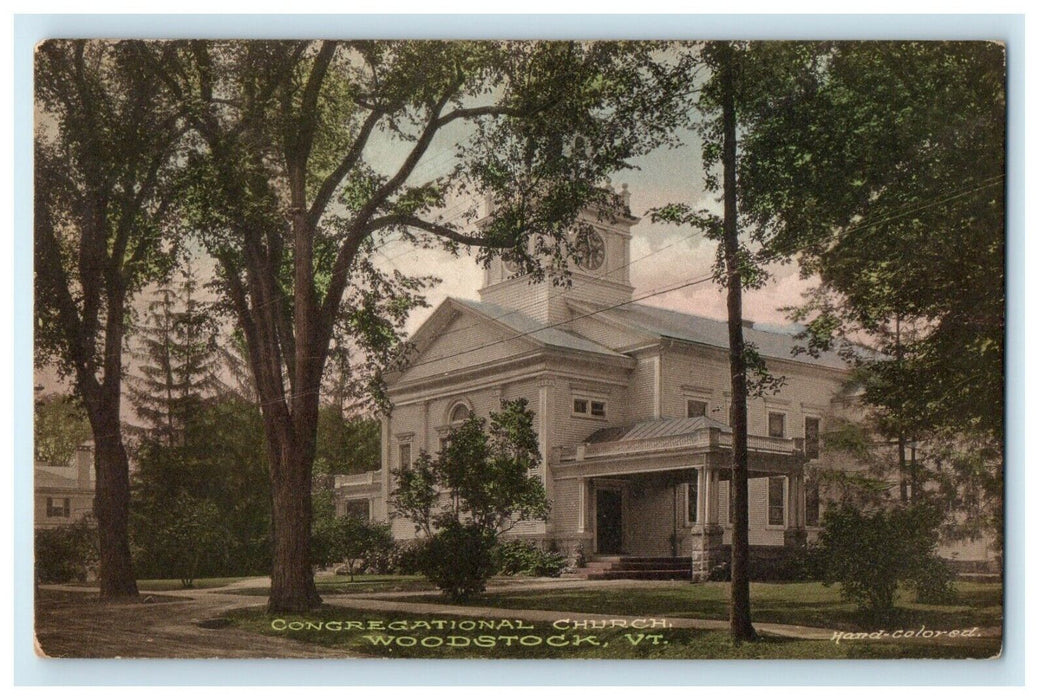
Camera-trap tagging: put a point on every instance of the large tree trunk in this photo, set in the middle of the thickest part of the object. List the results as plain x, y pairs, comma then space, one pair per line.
740, 602
292, 450
293, 588
111, 504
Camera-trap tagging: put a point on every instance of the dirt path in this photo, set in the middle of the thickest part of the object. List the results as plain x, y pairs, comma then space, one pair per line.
76, 624
72, 622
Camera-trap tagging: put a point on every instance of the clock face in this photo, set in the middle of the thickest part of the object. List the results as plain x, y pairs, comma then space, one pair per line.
591, 250
511, 266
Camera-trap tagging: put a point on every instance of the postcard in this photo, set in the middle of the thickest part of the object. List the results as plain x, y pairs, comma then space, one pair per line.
463, 349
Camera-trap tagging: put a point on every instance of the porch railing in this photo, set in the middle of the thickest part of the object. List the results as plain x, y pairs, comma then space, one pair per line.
706, 439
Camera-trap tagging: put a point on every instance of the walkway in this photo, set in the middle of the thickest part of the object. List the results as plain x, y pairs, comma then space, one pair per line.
170, 624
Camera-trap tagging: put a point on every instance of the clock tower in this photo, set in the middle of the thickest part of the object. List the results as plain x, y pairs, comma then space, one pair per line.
601, 277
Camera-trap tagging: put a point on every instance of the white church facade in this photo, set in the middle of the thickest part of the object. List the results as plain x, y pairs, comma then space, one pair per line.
631, 408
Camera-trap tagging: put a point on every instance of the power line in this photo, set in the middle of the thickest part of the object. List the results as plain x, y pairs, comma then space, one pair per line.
523, 334
905, 212
988, 183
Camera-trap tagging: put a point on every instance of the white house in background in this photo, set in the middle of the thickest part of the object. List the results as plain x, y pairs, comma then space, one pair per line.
64, 494
631, 408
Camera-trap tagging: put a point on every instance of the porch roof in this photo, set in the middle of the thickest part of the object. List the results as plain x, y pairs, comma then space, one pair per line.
663, 427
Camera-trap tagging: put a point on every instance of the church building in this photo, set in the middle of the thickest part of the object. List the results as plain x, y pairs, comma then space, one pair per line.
631, 407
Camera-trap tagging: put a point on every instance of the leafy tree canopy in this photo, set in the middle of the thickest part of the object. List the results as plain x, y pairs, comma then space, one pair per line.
881, 166
59, 427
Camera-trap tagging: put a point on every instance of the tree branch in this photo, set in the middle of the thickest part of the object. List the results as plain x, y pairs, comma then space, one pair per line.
330, 184
433, 228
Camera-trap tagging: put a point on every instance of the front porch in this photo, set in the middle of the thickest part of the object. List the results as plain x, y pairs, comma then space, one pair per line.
661, 489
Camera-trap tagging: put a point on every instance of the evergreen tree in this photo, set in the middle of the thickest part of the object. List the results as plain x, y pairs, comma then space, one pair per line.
178, 358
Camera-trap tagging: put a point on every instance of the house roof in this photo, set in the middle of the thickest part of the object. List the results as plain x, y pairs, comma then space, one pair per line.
44, 478
771, 342
663, 427
535, 330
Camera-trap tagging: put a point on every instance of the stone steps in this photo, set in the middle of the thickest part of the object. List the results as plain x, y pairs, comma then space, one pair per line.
640, 568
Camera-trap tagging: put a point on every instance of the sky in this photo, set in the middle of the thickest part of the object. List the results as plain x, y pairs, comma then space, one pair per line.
661, 177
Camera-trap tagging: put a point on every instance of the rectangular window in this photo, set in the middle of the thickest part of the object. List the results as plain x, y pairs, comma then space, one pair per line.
358, 508
691, 504
58, 508
405, 459
813, 504
775, 501
696, 409
776, 424
590, 408
812, 437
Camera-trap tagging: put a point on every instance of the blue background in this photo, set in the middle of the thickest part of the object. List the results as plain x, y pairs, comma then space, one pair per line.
30, 670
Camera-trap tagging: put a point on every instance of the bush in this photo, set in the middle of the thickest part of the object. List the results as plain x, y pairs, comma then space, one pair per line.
408, 558
66, 553
872, 554
359, 544
459, 559
935, 583
522, 557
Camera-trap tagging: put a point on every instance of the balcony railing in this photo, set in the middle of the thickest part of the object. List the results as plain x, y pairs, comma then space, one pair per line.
364, 479
704, 440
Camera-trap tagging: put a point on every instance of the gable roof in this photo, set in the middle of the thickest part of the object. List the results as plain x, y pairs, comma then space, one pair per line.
662, 427
708, 331
531, 328
48, 478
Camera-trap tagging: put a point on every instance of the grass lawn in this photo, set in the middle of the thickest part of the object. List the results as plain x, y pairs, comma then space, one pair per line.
173, 584
811, 604
442, 636
361, 583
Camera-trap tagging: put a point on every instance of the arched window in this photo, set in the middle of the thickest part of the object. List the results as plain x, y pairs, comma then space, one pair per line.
459, 414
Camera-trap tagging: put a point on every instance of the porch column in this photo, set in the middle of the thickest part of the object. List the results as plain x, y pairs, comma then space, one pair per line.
795, 534
583, 546
707, 535
708, 495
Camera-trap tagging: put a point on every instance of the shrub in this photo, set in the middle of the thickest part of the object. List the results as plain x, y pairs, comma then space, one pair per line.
359, 544
872, 554
935, 583
477, 487
184, 539
522, 557
408, 558
459, 559
66, 553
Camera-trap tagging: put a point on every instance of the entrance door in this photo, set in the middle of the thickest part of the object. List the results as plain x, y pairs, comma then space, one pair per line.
608, 521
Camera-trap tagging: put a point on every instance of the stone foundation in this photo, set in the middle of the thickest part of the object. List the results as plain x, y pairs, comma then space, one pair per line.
708, 552
794, 537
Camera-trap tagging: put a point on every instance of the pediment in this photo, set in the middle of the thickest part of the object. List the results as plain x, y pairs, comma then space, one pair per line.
456, 337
